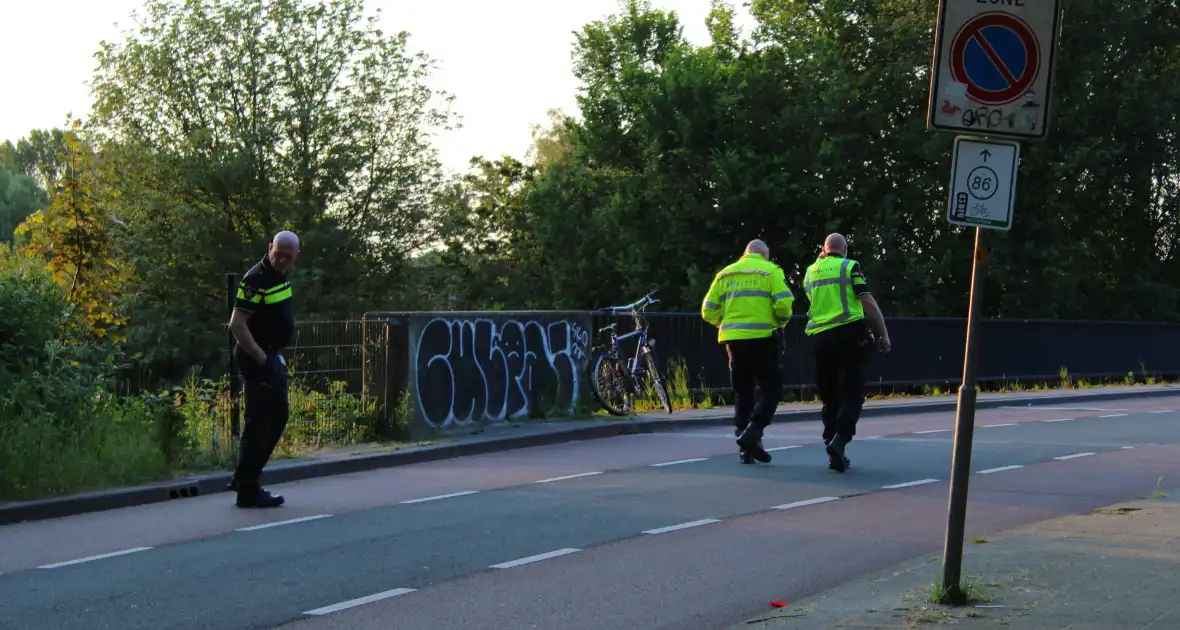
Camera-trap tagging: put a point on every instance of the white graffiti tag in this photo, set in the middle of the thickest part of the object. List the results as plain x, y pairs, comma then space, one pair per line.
483, 370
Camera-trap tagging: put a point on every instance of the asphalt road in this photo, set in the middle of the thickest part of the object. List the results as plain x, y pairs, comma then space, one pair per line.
641, 532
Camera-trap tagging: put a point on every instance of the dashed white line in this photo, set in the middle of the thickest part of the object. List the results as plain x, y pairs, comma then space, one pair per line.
996, 470
443, 496
91, 558
680, 461
537, 558
874, 437
783, 448
676, 528
799, 504
1006, 424
1060, 420
931, 431
1126, 448
360, 601
1074, 456
1113, 415
1165, 411
287, 522
909, 484
577, 476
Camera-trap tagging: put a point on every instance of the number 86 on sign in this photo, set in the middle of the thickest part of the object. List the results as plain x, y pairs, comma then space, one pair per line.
983, 183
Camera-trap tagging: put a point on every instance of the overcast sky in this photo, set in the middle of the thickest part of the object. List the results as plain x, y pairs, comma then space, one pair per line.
507, 62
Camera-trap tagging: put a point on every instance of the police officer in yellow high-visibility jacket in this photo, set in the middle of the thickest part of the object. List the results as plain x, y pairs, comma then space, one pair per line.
840, 298
748, 302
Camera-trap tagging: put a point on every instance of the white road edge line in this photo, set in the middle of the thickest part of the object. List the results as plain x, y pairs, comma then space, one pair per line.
931, 431
536, 558
680, 461
287, 522
90, 558
577, 476
909, 484
674, 528
443, 496
798, 504
360, 601
996, 470
1074, 456
1060, 420
1006, 424
1113, 415
783, 448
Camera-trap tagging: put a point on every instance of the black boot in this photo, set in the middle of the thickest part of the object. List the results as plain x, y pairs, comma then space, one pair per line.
836, 459
259, 499
750, 442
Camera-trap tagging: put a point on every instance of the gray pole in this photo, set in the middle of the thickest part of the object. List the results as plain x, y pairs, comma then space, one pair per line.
952, 555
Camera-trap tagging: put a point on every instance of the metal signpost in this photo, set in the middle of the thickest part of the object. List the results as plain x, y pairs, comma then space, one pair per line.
991, 75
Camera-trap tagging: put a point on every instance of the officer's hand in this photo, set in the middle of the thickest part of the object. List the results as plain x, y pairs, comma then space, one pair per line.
884, 345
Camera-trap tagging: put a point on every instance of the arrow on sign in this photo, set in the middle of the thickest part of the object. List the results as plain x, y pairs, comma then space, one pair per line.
986, 154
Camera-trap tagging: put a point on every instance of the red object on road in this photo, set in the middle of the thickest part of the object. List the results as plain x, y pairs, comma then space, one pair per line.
779, 604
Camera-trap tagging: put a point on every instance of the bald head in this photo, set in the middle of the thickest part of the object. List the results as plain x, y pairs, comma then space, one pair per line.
756, 246
835, 244
283, 251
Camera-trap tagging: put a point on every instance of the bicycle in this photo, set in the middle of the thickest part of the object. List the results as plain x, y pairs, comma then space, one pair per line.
618, 380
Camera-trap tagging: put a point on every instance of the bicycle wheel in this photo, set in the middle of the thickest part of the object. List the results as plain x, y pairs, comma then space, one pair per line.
609, 386
658, 382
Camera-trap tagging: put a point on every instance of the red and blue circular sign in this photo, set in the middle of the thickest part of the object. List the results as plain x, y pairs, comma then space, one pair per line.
997, 56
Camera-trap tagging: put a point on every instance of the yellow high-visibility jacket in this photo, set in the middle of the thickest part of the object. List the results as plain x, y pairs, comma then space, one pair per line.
749, 299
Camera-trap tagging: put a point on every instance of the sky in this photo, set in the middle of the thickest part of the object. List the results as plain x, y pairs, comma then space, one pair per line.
507, 63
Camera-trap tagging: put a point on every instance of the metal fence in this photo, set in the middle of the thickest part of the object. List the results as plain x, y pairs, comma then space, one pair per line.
353, 380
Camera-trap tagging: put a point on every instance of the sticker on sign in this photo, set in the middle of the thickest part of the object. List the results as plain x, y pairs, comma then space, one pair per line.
993, 67
983, 183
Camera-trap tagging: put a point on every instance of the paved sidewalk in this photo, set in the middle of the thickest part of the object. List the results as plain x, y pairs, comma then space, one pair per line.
1113, 569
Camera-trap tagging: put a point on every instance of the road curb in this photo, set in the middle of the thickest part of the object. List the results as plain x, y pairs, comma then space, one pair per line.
212, 484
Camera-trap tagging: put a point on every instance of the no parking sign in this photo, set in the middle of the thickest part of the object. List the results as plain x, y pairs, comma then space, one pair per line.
993, 67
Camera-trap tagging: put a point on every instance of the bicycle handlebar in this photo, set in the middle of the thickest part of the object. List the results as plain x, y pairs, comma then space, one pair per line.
646, 300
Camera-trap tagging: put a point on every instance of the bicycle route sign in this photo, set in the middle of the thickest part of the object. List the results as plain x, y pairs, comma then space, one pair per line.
993, 67
983, 183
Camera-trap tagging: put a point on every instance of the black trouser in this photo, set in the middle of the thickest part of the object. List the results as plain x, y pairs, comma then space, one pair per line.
754, 362
841, 356
266, 417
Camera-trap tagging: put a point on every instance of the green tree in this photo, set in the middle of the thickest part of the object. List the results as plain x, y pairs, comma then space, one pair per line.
19, 197
233, 119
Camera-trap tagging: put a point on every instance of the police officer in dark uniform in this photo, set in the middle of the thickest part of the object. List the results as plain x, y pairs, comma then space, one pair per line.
263, 323
839, 315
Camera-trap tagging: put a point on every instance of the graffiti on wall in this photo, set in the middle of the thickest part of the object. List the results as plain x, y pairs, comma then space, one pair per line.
487, 370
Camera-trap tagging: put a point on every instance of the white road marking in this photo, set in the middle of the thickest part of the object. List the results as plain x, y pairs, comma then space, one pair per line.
443, 496
1006, 424
577, 476
1037, 407
931, 431
360, 601
537, 558
1113, 415
805, 503
681, 461
1126, 448
1060, 420
996, 470
90, 558
1165, 411
909, 484
1074, 456
287, 522
674, 528
783, 448
873, 437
